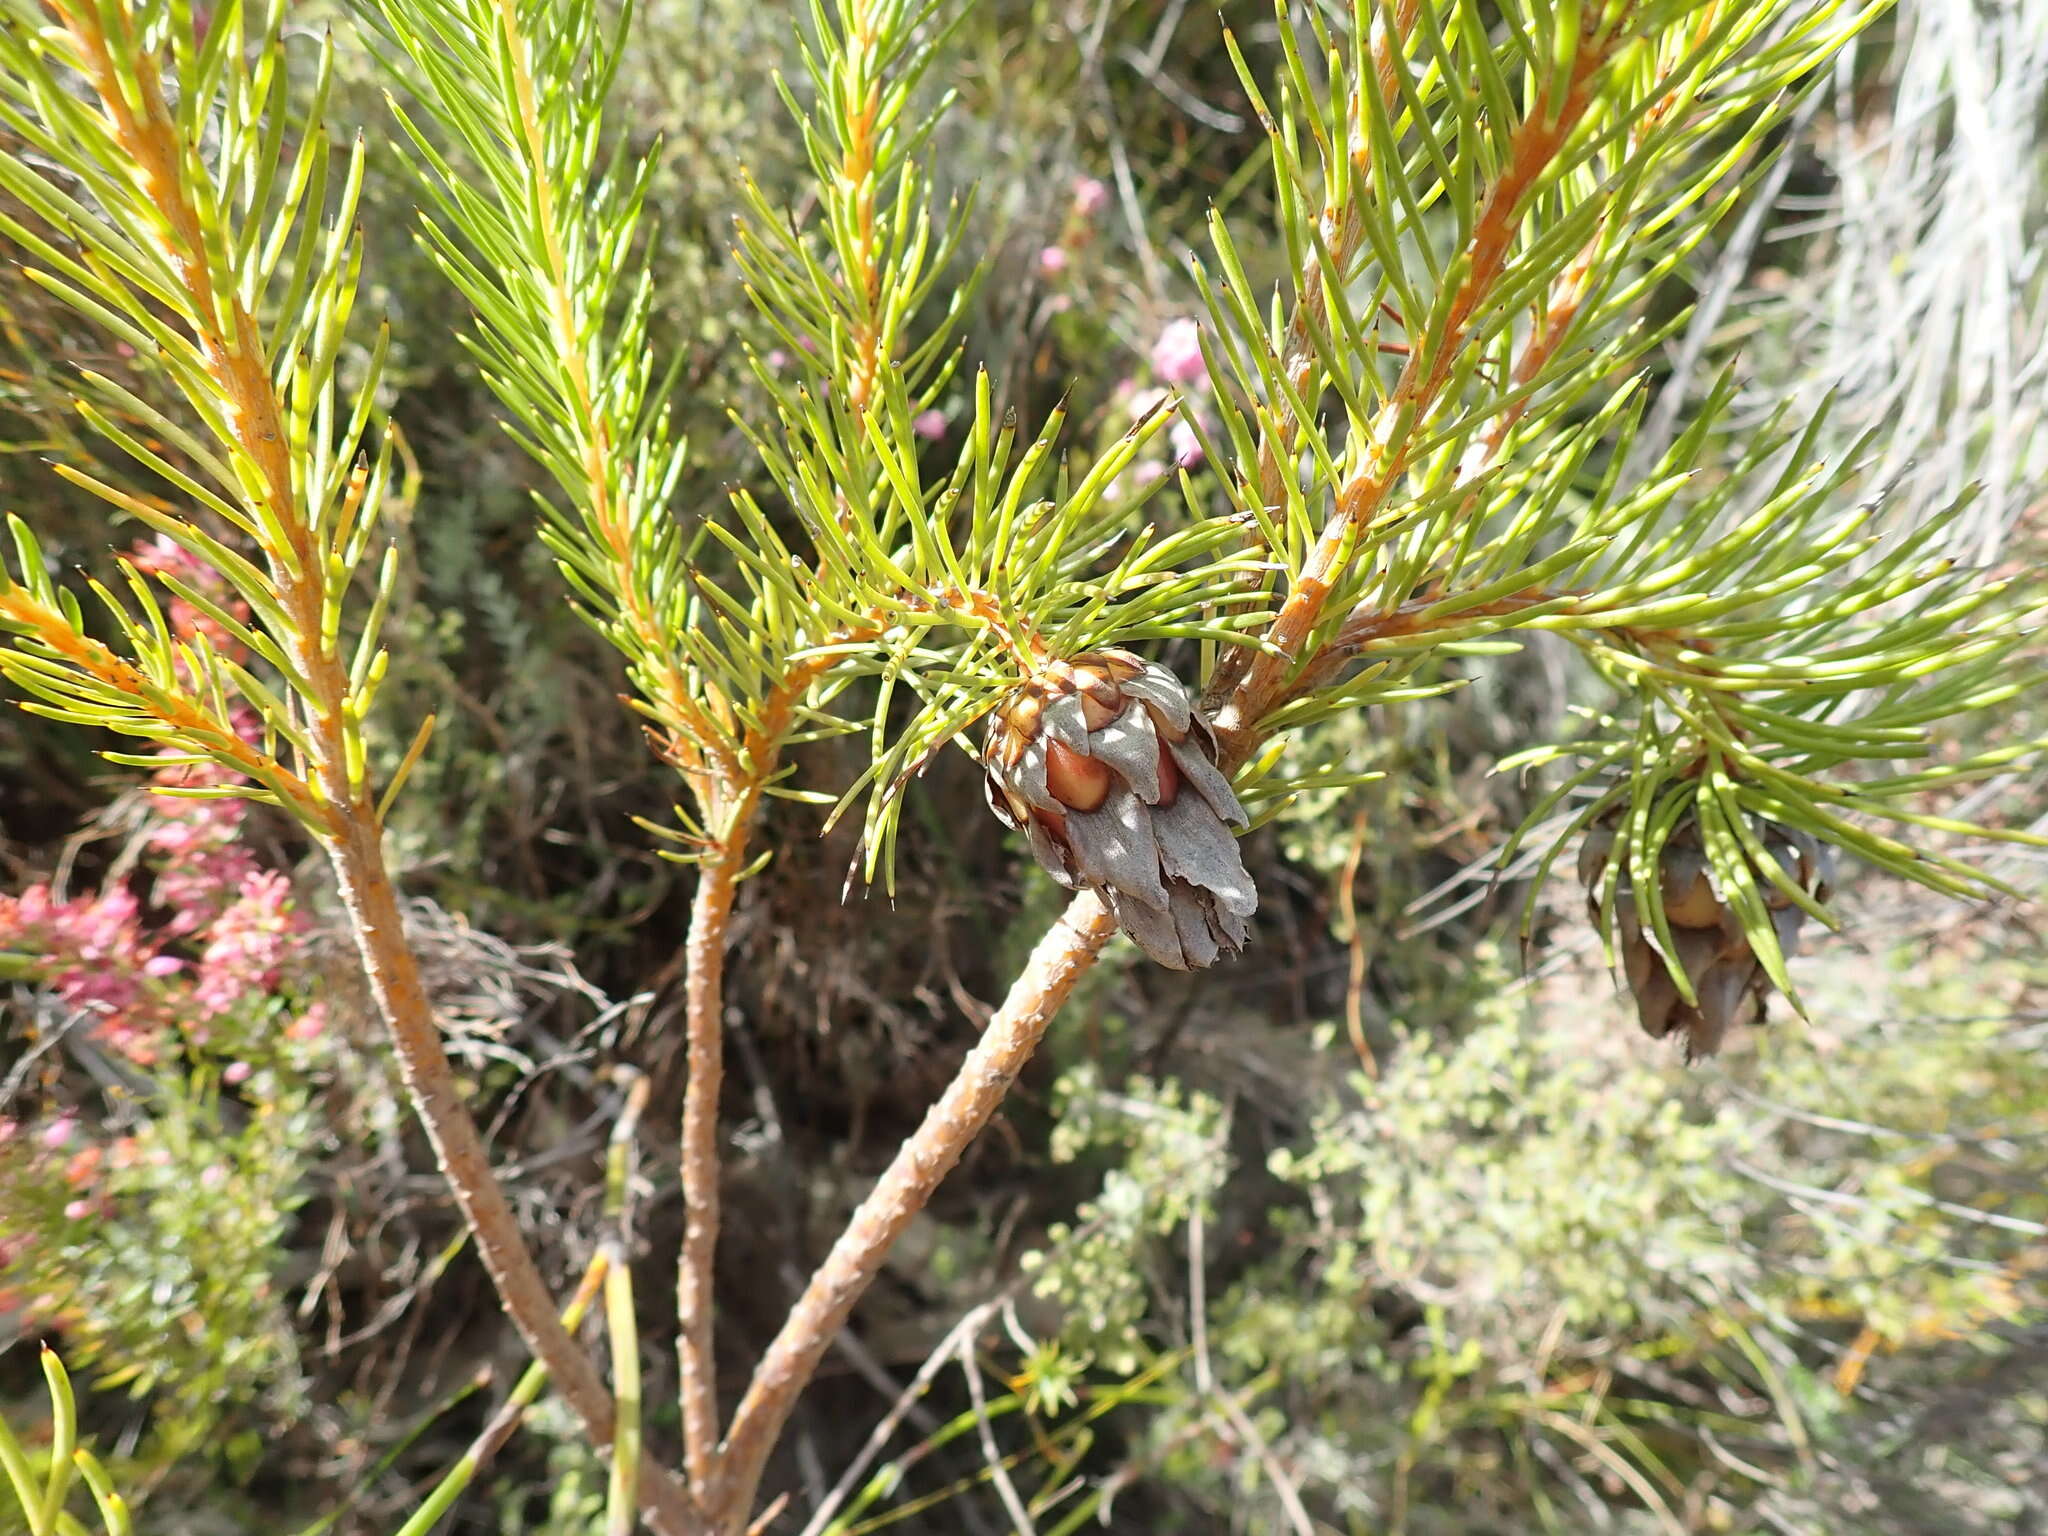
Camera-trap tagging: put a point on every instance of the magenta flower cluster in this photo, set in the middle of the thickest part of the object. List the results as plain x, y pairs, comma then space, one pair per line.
219, 928
205, 959
1177, 366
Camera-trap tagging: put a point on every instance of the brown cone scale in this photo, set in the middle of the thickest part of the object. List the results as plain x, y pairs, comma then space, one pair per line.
1708, 942
1109, 770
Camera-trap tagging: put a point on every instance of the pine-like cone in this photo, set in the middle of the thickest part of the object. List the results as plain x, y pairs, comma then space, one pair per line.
1110, 771
1707, 935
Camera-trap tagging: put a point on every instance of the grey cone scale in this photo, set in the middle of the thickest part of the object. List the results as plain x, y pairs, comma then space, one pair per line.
1708, 942
1108, 768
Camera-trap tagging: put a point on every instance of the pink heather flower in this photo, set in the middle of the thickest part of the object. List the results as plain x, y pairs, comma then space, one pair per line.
157, 967
92, 953
1177, 354
103, 927
1052, 260
1090, 196
929, 425
308, 1025
58, 1132
9, 1129
1187, 448
248, 944
237, 1072
1137, 476
106, 992
78, 1210
200, 886
777, 360
165, 556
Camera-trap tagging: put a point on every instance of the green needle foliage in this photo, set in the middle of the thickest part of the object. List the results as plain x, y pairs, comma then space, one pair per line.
44, 1499
953, 581
534, 217
1420, 438
1409, 433
209, 228
739, 630
1431, 431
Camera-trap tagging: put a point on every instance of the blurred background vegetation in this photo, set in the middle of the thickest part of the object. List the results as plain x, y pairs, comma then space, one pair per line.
1392, 1226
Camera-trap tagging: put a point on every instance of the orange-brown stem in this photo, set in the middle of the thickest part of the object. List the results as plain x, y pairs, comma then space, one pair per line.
1062, 957
737, 804
336, 803
704, 1027
1533, 146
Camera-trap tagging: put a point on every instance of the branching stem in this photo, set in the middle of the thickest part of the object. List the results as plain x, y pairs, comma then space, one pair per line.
1071, 947
336, 800
1360, 501
1059, 962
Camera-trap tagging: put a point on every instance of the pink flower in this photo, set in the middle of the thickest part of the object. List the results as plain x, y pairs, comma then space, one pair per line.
308, 1025
1052, 260
1177, 354
929, 425
1187, 448
1138, 476
92, 953
93, 989
103, 928
248, 944
237, 1072
97, 955
78, 1210
200, 886
1090, 196
776, 360
58, 1132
